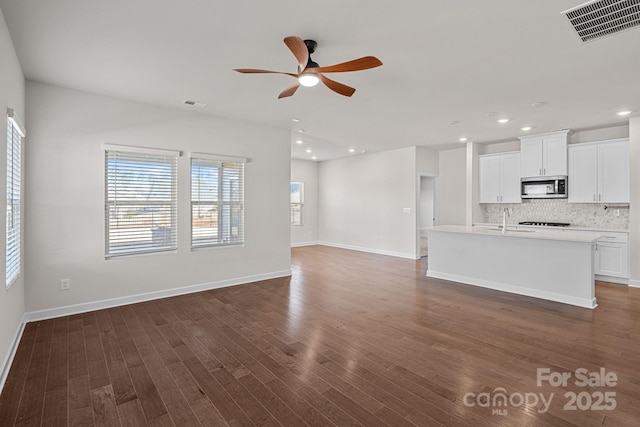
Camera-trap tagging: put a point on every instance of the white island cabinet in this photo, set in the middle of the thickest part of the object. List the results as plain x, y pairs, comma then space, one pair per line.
551, 265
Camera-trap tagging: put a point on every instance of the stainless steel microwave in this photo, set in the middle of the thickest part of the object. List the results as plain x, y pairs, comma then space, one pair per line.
544, 187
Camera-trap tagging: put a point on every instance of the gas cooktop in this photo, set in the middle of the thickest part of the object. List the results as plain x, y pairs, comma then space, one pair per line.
545, 224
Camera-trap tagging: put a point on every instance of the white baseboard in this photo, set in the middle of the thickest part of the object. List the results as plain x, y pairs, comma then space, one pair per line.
611, 279
551, 296
300, 244
68, 310
8, 360
634, 283
370, 250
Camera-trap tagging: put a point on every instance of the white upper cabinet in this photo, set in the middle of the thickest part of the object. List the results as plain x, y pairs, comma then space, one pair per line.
544, 154
599, 172
583, 173
510, 169
489, 171
613, 172
499, 178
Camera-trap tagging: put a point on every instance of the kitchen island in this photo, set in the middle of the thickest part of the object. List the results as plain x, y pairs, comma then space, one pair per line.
550, 265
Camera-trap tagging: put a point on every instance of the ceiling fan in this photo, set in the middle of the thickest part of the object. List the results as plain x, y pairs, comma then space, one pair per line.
310, 73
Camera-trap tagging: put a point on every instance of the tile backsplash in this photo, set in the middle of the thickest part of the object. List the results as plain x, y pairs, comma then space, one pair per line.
587, 215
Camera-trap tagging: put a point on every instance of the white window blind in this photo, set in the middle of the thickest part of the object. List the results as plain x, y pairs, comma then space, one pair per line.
15, 132
217, 201
141, 201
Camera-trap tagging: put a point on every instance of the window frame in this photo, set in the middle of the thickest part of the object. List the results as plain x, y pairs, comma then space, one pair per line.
299, 204
13, 227
223, 220
156, 157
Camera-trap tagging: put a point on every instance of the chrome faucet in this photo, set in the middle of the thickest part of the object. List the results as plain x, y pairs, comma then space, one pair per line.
505, 212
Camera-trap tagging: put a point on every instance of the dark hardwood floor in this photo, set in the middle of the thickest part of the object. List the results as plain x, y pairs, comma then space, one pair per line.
351, 339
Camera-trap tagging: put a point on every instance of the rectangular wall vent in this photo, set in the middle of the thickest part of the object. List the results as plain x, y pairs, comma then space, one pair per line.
600, 18
193, 103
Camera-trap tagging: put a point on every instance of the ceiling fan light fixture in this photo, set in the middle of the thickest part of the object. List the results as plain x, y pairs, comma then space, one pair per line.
309, 79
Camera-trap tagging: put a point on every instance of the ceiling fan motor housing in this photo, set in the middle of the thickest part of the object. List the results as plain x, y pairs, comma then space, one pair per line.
311, 45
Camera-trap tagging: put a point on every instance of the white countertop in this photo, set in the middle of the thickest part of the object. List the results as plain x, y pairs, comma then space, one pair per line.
544, 234
571, 227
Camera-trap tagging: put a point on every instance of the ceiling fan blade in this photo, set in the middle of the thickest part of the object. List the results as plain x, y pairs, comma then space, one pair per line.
336, 86
289, 91
359, 64
299, 49
257, 71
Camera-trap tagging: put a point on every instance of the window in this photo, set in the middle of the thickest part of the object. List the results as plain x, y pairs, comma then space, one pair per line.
15, 133
217, 201
141, 202
296, 203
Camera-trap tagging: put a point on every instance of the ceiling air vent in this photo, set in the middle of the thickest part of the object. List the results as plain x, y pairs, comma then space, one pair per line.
193, 103
600, 18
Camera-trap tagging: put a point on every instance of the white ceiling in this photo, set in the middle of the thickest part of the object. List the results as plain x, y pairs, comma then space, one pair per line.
444, 61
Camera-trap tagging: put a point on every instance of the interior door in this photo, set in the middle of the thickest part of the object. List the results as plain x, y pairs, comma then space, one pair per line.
427, 212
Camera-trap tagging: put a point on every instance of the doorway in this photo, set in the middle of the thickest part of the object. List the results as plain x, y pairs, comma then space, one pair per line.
427, 211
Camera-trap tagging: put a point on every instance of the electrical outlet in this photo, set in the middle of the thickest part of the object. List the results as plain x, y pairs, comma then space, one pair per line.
616, 212
65, 284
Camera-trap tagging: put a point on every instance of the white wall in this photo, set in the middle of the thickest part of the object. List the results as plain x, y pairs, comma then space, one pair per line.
307, 172
453, 186
601, 134
427, 161
65, 197
12, 95
361, 201
501, 147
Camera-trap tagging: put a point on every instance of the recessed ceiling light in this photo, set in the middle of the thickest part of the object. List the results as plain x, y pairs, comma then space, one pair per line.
299, 141
624, 113
301, 131
308, 150
526, 128
463, 139
538, 104
352, 150
313, 158
295, 120
503, 120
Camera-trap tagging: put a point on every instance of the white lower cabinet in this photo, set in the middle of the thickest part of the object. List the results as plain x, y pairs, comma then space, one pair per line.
611, 261
612, 256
